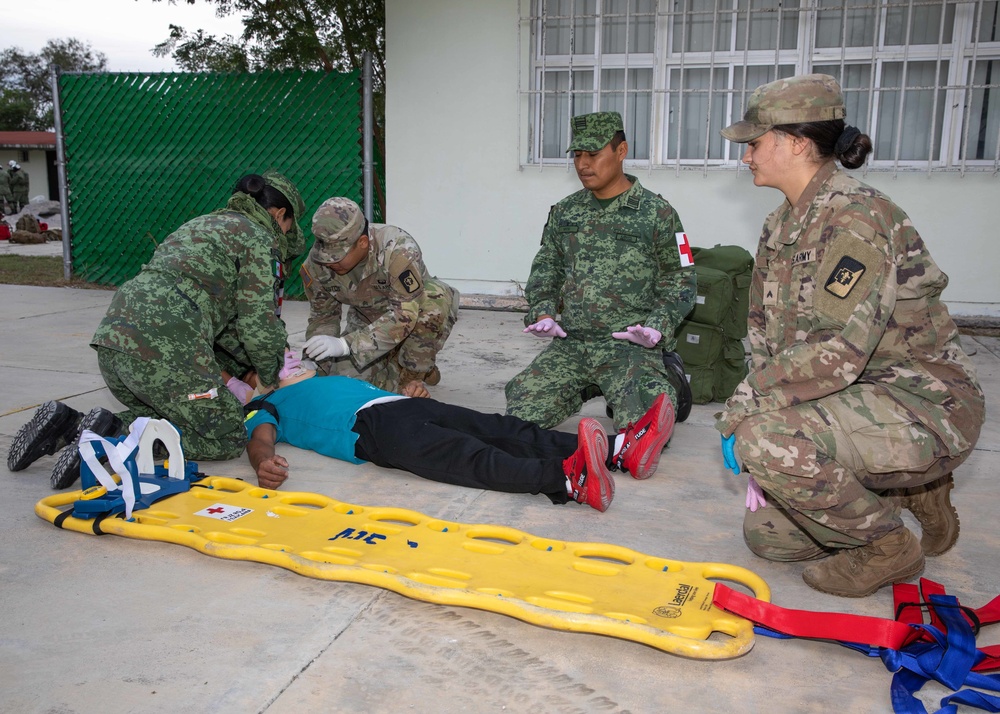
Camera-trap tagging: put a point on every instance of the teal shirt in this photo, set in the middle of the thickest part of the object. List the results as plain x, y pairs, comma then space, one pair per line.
318, 414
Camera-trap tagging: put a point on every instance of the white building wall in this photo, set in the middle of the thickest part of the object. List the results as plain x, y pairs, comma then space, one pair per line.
455, 181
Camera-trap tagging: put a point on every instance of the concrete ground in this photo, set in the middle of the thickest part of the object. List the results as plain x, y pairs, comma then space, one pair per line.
97, 624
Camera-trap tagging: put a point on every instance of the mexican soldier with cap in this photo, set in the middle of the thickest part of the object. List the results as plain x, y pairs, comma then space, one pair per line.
860, 400
610, 284
156, 346
398, 316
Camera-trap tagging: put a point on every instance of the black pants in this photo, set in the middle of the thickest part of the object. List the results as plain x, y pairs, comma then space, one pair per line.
452, 444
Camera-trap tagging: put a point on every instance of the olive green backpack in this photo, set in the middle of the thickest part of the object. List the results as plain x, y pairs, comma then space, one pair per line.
710, 340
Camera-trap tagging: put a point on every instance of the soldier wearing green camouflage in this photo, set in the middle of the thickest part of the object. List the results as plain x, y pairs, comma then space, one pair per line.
216, 275
398, 315
859, 399
18, 187
6, 195
614, 255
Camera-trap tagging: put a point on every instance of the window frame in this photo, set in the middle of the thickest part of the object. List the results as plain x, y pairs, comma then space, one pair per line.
951, 62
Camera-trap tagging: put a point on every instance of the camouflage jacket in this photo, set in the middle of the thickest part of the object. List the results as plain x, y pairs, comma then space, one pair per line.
5, 192
19, 184
606, 269
215, 273
385, 290
844, 291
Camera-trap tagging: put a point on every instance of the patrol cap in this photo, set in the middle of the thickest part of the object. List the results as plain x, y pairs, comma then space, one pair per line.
287, 188
337, 224
806, 98
592, 132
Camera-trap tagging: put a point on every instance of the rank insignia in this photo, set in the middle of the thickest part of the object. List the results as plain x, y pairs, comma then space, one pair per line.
844, 277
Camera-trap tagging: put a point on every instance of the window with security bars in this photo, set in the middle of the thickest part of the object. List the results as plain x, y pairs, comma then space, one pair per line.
921, 77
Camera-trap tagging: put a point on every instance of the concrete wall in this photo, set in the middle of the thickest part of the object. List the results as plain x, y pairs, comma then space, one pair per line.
455, 181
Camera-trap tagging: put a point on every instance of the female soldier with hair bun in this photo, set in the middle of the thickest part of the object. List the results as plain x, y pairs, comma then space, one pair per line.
859, 399
217, 277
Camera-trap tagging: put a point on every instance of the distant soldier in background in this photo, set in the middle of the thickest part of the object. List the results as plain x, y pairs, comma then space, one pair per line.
398, 317
6, 195
19, 186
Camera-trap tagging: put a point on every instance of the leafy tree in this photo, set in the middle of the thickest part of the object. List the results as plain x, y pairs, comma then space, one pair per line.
26, 86
325, 35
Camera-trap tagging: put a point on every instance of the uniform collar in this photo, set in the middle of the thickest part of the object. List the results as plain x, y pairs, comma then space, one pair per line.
630, 199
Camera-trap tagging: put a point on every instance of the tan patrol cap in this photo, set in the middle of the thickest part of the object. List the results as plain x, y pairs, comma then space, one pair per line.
806, 98
337, 224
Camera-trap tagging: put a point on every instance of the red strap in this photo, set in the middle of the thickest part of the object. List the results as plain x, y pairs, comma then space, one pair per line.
906, 594
991, 661
875, 631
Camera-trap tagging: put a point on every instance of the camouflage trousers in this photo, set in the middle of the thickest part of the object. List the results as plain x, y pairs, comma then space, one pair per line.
548, 390
210, 429
824, 465
416, 352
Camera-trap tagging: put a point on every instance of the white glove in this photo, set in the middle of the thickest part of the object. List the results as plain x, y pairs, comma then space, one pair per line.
546, 327
642, 336
320, 347
755, 495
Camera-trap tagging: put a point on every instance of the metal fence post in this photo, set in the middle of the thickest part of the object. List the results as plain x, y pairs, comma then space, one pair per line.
61, 171
368, 130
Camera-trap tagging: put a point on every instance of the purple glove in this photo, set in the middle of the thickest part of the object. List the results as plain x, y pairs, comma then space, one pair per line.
755, 495
292, 364
241, 390
546, 327
643, 336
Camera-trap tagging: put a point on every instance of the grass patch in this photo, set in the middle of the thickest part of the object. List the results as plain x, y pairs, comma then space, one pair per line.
41, 270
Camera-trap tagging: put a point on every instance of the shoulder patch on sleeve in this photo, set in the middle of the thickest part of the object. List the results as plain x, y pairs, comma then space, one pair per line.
410, 280
846, 274
306, 276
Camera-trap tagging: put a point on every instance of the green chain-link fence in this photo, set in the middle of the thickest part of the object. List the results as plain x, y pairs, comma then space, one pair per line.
147, 152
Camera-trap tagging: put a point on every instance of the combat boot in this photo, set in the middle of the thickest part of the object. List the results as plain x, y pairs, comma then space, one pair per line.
67, 468
858, 572
931, 506
589, 479
639, 453
53, 426
679, 381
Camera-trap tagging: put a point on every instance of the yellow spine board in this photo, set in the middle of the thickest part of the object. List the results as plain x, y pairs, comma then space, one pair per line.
579, 587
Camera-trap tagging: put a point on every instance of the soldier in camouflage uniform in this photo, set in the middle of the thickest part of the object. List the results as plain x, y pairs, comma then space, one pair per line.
398, 316
6, 195
614, 266
860, 399
157, 347
18, 187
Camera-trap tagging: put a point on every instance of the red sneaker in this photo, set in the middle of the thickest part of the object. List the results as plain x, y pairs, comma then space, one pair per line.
588, 475
640, 451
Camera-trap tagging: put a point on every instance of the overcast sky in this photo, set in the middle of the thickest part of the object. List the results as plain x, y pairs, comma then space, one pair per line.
124, 30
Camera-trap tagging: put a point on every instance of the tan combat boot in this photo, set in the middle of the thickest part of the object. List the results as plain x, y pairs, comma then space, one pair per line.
931, 505
858, 572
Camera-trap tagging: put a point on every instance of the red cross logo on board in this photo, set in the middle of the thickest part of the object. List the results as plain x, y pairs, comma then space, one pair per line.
684, 248
216, 509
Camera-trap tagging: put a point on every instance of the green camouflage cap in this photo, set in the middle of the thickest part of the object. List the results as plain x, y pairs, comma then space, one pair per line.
592, 132
296, 240
806, 98
337, 224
